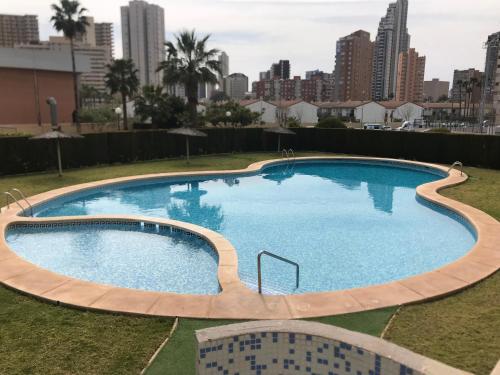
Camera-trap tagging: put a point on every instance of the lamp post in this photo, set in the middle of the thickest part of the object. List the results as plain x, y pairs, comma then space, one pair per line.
118, 112
228, 115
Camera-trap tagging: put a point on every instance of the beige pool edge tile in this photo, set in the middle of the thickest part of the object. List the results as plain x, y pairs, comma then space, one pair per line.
236, 300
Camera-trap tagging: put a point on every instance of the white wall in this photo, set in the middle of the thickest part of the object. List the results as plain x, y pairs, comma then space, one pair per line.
306, 113
267, 110
370, 112
407, 112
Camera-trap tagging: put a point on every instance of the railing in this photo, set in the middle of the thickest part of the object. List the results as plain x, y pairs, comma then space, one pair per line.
23, 197
9, 194
459, 164
259, 268
289, 155
14, 200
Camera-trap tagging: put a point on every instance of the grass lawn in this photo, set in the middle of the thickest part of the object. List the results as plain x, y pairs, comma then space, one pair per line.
462, 330
39, 338
179, 355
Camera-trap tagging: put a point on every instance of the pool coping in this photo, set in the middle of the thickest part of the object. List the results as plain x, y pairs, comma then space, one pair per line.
237, 301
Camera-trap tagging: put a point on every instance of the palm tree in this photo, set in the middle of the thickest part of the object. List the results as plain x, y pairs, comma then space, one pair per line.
189, 63
69, 19
122, 78
459, 85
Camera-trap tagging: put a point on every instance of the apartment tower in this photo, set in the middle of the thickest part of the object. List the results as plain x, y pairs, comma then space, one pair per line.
353, 67
392, 39
143, 39
18, 29
435, 89
104, 36
410, 82
236, 86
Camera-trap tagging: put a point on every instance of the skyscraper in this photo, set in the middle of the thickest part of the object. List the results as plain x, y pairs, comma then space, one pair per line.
392, 39
143, 38
280, 70
410, 82
490, 67
353, 67
104, 36
461, 77
224, 65
16, 29
236, 86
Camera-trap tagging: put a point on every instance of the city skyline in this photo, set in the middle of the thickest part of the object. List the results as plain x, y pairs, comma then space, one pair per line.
268, 38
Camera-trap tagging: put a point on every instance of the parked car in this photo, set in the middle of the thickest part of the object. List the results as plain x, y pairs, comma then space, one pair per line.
375, 127
406, 126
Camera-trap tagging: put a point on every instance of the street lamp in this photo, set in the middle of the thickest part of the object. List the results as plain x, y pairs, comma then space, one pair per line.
228, 115
119, 113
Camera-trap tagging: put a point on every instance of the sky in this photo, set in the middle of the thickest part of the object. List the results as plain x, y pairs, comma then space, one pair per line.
256, 33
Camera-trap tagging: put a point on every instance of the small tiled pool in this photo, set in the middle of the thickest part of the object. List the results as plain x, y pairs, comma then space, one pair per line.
131, 255
348, 224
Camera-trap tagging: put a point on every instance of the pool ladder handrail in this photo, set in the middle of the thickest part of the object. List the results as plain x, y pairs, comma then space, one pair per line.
457, 164
289, 155
259, 267
10, 194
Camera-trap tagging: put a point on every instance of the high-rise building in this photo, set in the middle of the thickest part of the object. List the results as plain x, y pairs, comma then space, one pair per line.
410, 82
143, 39
236, 86
353, 67
392, 39
16, 29
88, 37
435, 89
104, 36
461, 77
265, 75
490, 68
280, 70
224, 65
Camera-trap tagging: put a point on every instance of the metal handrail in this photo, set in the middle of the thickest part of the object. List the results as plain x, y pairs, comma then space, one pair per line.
259, 268
23, 197
284, 154
14, 200
457, 163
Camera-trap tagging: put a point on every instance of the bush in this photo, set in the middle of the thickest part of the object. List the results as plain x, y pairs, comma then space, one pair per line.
99, 115
292, 122
439, 130
331, 123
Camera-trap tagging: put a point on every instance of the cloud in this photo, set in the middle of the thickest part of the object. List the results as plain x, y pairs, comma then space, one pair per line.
258, 32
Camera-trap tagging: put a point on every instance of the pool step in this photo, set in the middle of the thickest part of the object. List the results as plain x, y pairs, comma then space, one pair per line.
268, 288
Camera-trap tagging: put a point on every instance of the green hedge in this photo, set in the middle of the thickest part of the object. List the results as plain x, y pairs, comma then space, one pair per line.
21, 155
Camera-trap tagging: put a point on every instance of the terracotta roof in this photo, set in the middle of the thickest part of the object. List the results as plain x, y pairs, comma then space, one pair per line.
443, 105
395, 104
348, 104
248, 102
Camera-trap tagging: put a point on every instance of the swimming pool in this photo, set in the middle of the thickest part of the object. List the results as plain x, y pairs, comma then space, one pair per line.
348, 224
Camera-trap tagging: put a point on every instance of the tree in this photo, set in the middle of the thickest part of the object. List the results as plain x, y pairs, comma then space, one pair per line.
165, 111
190, 63
331, 122
218, 113
69, 19
219, 96
443, 98
459, 84
122, 78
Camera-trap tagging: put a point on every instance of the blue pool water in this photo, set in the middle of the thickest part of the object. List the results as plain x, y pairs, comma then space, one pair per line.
347, 224
121, 255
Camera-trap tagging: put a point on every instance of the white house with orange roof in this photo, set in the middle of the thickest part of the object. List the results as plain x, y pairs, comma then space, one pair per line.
403, 111
362, 111
267, 110
304, 112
